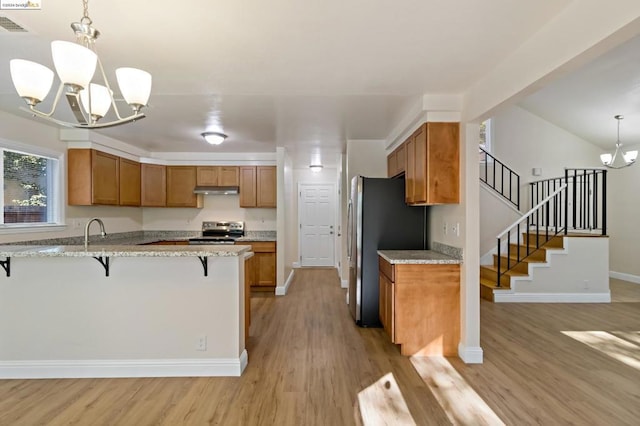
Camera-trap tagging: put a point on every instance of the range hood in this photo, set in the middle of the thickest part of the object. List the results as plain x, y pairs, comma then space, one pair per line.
216, 190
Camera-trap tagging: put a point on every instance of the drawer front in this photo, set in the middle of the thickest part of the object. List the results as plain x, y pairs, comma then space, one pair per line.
260, 246
387, 269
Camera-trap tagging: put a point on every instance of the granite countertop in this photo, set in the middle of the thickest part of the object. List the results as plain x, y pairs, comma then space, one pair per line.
441, 254
417, 257
123, 251
140, 237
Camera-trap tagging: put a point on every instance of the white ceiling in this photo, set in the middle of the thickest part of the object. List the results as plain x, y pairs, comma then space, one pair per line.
306, 75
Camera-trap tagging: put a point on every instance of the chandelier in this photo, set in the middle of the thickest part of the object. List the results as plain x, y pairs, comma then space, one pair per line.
619, 158
75, 65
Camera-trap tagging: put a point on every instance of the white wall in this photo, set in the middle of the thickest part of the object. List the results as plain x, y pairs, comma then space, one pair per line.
216, 207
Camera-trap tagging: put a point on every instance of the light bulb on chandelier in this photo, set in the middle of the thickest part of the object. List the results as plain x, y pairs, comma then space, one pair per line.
619, 158
75, 65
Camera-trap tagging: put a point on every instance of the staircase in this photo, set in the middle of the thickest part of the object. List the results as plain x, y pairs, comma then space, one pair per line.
563, 207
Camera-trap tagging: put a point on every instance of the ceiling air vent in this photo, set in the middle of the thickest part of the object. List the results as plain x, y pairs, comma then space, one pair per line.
11, 26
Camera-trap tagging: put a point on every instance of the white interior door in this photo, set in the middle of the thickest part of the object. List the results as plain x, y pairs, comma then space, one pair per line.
316, 217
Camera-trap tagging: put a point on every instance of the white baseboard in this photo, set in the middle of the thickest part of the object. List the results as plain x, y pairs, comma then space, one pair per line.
344, 283
83, 369
470, 355
282, 290
625, 277
500, 297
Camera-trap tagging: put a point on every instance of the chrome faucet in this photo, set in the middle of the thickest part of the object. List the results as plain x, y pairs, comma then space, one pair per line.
86, 230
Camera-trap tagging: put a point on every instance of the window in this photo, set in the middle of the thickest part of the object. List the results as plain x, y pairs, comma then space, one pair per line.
485, 141
30, 188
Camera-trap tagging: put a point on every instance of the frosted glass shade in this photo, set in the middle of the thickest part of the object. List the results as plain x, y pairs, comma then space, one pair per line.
214, 138
630, 156
100, 100
75, 64
31, 80
606, 159
135, 85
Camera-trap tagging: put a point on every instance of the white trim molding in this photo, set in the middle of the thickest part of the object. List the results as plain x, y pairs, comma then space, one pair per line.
624, 277
507, 297
282, 290
82, 369
470, 355
344, 283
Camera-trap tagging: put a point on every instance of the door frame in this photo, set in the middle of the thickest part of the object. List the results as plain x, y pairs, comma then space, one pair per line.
334, 197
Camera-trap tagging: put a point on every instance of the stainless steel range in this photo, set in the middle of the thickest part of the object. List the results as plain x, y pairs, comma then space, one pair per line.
221, 232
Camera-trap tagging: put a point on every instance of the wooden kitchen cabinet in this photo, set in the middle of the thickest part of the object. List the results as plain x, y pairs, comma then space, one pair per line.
130, 182
249, 268
92, 178
420, 307
258, 186
181, 180
264, 264
154, 185
217, 176
396, 161
433, 164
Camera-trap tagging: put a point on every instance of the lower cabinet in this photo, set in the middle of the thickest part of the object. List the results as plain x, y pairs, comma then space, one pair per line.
420, 307
264, 264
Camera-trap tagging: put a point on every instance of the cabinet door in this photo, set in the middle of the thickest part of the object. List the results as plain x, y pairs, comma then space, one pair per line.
105, 178
248, 186
420, 166
154, 185
382, 302
391, 164
129, 182
389, 313
248, 282
79, 177
265, 269
443, 168
266, 186
228, 176
180, 183
410, 174
401, 159
207, 176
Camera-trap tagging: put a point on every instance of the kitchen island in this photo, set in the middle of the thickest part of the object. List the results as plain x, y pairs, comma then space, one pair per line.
122, 311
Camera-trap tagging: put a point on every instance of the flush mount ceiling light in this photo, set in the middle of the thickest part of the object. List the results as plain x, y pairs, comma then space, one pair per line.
315, 167
214, 138
619, 158
75, 65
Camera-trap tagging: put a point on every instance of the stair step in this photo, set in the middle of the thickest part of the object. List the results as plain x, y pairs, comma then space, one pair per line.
534, 253
554, 241
490, 272
487, 287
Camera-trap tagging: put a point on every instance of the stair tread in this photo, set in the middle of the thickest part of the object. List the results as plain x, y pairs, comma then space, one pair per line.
511, 273
491, 284
526, 259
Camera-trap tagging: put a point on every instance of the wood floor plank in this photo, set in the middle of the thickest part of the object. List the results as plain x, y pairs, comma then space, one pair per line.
308, 363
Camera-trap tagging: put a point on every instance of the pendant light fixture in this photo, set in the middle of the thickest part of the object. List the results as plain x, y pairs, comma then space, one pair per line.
619, 158
75, 65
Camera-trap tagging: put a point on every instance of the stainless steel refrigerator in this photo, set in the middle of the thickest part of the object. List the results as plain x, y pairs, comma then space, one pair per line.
378, 219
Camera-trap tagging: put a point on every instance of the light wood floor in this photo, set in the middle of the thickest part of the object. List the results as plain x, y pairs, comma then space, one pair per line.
308, 363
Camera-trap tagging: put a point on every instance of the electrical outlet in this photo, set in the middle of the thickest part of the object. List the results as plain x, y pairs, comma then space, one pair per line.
201, 343
445, 228
455, 229
586, 284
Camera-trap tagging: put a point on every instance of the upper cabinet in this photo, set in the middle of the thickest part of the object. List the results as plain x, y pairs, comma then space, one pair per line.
92, 178
154, 185
433, 164
181, 180
217, 176
258, 186
129, 182
396, 161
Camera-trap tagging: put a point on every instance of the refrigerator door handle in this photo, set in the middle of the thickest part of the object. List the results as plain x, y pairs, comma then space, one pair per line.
349, 229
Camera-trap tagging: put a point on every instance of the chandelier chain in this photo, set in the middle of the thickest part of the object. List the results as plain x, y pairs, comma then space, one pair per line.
85, 16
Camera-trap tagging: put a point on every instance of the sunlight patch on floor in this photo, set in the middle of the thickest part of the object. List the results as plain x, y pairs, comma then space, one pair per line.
382, 403
615, 347
460, 402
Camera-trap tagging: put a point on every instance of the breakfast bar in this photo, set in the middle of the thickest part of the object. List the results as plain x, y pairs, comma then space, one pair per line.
122, 311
